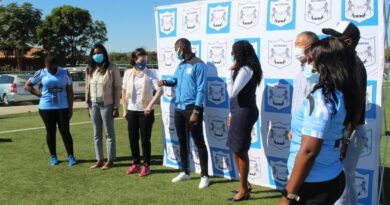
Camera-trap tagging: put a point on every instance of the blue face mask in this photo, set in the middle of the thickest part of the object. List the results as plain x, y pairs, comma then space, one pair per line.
309, 75
179, 56
98, 58
141, 66
233, 59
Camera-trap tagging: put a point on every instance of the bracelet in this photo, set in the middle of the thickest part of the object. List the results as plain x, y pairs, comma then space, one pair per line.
195, 111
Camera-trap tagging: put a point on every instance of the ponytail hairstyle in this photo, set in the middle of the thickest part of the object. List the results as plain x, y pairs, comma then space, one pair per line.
135, 54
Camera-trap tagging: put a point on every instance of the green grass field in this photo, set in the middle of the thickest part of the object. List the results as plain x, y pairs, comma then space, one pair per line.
26, 177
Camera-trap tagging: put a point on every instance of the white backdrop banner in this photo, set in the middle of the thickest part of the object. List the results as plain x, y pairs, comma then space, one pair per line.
271, 26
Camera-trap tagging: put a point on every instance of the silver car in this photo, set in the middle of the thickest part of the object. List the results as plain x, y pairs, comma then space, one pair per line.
78, 79
12, 89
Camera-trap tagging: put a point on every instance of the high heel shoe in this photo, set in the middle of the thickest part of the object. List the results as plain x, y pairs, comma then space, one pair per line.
237, 190
246, 196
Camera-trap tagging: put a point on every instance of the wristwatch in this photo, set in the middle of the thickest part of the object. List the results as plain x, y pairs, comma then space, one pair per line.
195, 111
289, 195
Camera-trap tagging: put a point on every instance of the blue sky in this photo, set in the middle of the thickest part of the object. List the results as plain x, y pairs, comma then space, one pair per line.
130, 23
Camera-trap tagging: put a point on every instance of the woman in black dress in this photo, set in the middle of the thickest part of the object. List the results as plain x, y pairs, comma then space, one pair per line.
243, 78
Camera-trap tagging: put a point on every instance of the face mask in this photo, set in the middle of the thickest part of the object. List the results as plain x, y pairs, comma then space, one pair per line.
179, 56
299, 53
141, 66
309, 75
233, 59
98, 58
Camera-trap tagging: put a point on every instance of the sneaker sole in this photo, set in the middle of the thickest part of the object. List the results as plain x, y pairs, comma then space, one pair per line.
181, 180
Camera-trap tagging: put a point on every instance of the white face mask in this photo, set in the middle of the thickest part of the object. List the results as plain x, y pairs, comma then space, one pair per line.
299, 53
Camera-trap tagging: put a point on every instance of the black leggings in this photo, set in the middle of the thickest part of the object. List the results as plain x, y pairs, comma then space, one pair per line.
51, 118
322, 193
138, 123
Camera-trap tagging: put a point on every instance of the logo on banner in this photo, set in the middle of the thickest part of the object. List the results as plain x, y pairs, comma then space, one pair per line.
196, 48
248, 14
317, 11
173, 152
191, 19
217, 127
222, 161
278, 134
216, 92
194, 156
281, 12
366, 51
169, 125
218, 18
366, 151
217, 53
278, 95
168, 57
279, 53
167, 22
254, 167
359, 10
362, 185
279, 171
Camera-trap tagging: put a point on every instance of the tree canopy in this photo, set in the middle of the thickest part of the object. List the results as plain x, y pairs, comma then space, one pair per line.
69, 33
17, 28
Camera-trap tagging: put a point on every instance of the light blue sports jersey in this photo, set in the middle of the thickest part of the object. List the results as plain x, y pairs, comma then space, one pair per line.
323, 125
54, 95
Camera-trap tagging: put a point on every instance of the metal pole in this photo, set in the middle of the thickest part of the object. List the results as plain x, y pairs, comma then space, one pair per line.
387, 133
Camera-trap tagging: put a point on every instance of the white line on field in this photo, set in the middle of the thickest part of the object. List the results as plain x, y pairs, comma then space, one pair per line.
37, 128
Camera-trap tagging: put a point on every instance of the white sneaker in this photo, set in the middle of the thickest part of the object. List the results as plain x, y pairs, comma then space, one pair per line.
181, 177
204, 182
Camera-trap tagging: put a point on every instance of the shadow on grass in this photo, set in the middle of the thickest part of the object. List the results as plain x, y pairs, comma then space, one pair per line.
5, 140
156, 160
266, 197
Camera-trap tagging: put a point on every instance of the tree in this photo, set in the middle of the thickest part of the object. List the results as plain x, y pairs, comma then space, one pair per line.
18, 26
69, 32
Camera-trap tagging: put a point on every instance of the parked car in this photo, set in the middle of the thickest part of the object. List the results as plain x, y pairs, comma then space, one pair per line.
78, 78
12, 89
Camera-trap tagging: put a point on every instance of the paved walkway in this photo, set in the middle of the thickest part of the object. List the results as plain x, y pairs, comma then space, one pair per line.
28, 107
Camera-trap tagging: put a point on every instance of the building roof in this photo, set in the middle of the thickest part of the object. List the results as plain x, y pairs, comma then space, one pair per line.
29, 54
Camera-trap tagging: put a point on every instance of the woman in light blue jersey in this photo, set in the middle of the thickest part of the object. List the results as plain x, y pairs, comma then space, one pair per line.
315, 171
55, 104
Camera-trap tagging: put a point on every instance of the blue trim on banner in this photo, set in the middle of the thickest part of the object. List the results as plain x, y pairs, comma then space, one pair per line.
271, 173
168, 161
226, 29
220, 160
199, 54
373, 21
165, 99
289, 26
278, 107
252, 40
173, 32
217, 101
371, 113
364, 190
257, 144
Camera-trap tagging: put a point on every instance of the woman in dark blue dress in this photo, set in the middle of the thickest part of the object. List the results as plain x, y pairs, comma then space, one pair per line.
243, 78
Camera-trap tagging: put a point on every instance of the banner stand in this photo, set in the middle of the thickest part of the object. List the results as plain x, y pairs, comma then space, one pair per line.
387, 132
